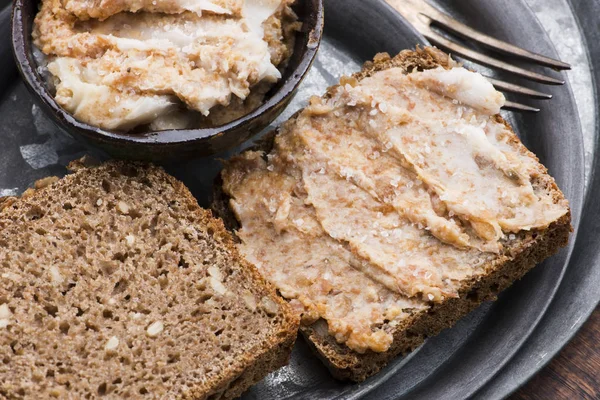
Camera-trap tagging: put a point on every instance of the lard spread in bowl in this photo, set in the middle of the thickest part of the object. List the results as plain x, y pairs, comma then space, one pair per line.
153, 65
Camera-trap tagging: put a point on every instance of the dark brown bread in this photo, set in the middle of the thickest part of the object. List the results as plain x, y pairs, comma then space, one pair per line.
115, 283
519, 256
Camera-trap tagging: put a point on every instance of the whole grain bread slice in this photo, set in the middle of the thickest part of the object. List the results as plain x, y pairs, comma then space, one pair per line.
115, 283
519, 256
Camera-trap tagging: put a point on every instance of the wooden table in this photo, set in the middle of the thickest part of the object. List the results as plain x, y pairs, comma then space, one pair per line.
574, 374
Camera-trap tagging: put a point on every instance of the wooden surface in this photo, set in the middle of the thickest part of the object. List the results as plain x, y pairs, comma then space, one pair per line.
574, 373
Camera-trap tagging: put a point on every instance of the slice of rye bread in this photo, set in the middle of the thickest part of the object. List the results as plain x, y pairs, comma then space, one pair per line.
518, 257
115, 283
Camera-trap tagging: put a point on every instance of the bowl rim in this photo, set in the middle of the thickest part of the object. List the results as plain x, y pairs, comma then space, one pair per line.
21, 44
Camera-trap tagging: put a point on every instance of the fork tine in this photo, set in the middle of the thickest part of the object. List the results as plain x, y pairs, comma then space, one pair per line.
500, 45
512, 106
512, 88
492, 62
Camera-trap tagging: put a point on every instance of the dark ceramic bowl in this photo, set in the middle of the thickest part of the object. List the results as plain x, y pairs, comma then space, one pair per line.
178, 143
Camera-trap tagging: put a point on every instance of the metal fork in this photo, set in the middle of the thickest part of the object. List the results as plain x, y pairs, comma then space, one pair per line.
423, 16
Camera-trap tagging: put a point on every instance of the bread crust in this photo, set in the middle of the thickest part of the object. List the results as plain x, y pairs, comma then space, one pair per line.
529, 249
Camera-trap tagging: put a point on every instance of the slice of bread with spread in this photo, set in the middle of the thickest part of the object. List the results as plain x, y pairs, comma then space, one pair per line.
114, 282
391, 207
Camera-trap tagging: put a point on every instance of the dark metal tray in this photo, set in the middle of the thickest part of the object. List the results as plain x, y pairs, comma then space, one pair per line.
483, 348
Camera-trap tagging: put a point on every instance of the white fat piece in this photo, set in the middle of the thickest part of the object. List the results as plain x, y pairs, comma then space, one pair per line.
466, 86
198, 6
255, 13
258, 11
140, 33
79, 97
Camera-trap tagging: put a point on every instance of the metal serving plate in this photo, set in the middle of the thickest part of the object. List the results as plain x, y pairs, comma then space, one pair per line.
461, 360
573, 26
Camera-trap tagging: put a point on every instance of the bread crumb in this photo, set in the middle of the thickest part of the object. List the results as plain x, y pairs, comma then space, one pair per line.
155, 329
55, 274
216, 279
217, 285
112, 344
42, 183
250, 300
84, 162
215, 272
211, 302
130, 239
12, 276
5, 311
122, 207
270, 306
28, 193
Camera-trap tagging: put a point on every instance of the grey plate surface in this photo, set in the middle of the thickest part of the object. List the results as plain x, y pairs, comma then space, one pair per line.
461, 360
579, 292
